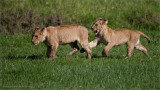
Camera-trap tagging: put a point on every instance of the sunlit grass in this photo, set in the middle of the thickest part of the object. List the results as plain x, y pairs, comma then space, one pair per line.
26, 66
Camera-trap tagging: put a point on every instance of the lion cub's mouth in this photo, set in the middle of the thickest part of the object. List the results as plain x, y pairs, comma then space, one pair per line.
95, 32
35, 43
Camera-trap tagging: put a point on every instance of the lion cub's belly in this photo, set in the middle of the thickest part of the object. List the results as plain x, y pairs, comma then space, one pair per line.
114, 40
120, 40
68, 39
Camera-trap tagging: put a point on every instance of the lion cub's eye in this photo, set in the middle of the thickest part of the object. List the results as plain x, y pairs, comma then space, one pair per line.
96, 24
36, 36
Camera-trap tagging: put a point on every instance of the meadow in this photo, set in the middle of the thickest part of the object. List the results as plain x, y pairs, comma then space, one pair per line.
25, 66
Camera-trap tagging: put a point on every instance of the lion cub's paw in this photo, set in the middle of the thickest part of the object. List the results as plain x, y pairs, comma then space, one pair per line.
54, 57
104, 55
50, 58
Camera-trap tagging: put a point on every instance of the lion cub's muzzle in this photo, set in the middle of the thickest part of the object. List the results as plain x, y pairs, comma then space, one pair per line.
95, 32
34, 43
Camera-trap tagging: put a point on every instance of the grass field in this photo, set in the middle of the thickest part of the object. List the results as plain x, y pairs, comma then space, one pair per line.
25, 66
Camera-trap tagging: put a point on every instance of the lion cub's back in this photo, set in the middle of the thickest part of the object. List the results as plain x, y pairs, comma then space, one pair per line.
69, 33
72, 29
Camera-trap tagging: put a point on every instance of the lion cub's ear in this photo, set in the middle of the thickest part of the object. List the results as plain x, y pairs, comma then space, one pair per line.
37, 28
105, 21
42, 30
100, 19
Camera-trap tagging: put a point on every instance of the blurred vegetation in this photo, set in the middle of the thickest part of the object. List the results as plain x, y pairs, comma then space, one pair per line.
22, 16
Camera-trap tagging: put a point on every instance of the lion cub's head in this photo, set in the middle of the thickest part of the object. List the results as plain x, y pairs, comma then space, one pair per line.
39, 35
98, 25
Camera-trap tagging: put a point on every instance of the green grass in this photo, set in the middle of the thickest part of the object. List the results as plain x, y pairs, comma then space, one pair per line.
26, 66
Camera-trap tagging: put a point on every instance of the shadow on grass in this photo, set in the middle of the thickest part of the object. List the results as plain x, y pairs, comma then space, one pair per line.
108, 57
32, 57
96, 56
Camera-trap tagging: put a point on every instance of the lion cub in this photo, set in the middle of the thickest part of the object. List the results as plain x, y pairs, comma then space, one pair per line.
109, 37
66, 34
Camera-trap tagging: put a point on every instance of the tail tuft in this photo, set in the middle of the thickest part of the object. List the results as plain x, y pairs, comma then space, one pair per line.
149, 41
82, 50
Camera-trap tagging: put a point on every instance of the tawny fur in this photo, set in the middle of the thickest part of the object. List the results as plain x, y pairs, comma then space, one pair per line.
59, 35
109, 37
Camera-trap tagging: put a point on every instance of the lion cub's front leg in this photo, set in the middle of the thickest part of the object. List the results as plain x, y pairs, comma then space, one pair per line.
106, 49
53, 51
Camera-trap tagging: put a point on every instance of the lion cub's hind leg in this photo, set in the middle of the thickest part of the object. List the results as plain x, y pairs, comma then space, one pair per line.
140, 47
74, 47
130, 48
134, 40
86, 47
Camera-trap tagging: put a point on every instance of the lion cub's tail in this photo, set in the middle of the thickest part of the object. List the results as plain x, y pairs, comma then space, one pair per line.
145, 36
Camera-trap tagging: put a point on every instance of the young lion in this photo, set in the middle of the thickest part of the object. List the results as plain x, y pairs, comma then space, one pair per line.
66, 34
109, 37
